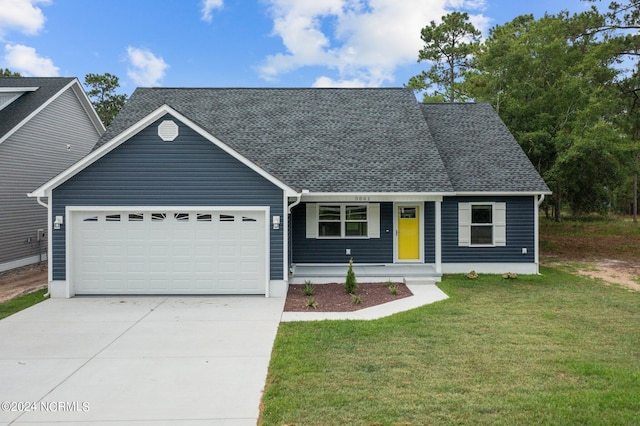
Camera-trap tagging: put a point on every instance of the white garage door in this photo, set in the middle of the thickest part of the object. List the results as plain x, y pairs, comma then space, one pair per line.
169, 252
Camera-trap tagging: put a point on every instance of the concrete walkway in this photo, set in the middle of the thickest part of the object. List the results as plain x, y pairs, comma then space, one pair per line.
423, 294
137, 360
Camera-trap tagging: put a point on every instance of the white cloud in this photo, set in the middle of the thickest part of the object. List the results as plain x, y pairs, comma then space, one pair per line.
21, 15
207, 8
146, 68
26, 61
325, 81
364, 41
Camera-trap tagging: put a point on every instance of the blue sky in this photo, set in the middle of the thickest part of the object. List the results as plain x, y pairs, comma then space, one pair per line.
236, 43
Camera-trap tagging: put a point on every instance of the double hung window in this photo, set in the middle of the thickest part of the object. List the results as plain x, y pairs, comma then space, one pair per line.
482, 224
342, 221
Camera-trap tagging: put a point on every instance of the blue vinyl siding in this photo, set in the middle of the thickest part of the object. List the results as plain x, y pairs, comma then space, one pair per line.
371, 250
520, 233
430, 232
146, 171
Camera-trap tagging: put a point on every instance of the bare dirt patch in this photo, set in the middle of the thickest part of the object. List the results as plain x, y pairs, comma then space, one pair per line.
19, 281
333, 297
612, 258
625, 274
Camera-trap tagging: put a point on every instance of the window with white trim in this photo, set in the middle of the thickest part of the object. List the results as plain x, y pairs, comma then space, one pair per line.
355, 221
329, 221
482, 224
342, 221
346, 220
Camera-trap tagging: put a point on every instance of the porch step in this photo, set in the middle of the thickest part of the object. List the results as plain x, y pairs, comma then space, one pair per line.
421, 280
327, 273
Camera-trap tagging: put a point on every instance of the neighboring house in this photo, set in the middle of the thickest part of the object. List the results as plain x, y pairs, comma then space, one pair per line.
241, 191
46, 125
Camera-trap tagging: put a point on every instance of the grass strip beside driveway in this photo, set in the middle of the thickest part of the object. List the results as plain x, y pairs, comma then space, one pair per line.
19, 303
551, 349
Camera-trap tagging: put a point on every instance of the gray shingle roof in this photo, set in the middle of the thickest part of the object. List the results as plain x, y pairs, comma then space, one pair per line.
323, 140
19, 109
479, 152
345, 140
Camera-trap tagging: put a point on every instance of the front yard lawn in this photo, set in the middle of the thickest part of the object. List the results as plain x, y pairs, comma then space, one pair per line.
552, 349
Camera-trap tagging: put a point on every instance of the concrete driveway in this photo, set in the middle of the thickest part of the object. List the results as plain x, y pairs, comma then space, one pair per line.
142, 360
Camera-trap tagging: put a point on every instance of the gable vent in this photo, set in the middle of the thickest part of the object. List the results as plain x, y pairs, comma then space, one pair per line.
168, 131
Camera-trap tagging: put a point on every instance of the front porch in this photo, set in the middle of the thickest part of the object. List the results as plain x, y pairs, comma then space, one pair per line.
415, 273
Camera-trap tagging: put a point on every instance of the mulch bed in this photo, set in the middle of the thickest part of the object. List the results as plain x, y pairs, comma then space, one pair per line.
333, 297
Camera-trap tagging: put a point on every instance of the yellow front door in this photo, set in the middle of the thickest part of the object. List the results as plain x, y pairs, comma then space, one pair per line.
409, 233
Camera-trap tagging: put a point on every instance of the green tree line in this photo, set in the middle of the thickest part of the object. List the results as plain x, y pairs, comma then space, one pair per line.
101, 90
565, 85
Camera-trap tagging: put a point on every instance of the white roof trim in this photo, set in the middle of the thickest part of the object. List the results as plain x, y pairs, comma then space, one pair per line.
372, 197
88, 107
403, 196
377, 194
45, 189
501, 194
9, 101
18, 89
82, 97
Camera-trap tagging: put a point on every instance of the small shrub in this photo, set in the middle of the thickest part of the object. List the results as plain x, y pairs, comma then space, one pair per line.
389, 283
308, 288
393, 288
510, 276
472, 275
355, 299
350, 284
312, 304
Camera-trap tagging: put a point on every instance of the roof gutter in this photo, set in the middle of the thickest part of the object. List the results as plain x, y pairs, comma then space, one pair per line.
297, 201
541, 199
43, 204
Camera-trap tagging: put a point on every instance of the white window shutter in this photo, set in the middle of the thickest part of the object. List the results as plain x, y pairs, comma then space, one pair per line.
500, 224
374, 220
464, 224
312, 220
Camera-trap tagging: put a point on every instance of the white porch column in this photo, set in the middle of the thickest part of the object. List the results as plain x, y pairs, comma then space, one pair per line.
438, 236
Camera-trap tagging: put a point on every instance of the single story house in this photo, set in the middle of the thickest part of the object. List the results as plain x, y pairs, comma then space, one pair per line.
46, 125
242, 191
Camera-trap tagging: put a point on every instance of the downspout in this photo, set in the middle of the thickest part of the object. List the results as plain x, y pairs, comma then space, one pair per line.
45, 205
536, 216
289, 236
297, 201
48, 207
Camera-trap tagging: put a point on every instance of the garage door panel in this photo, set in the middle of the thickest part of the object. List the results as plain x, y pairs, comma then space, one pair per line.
182, 284
204, 266
159, 285
164, 252
137, 285
113, 284
158, 269
181, 267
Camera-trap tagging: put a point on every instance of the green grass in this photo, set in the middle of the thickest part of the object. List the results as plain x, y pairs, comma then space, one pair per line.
552, 349
19, 303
